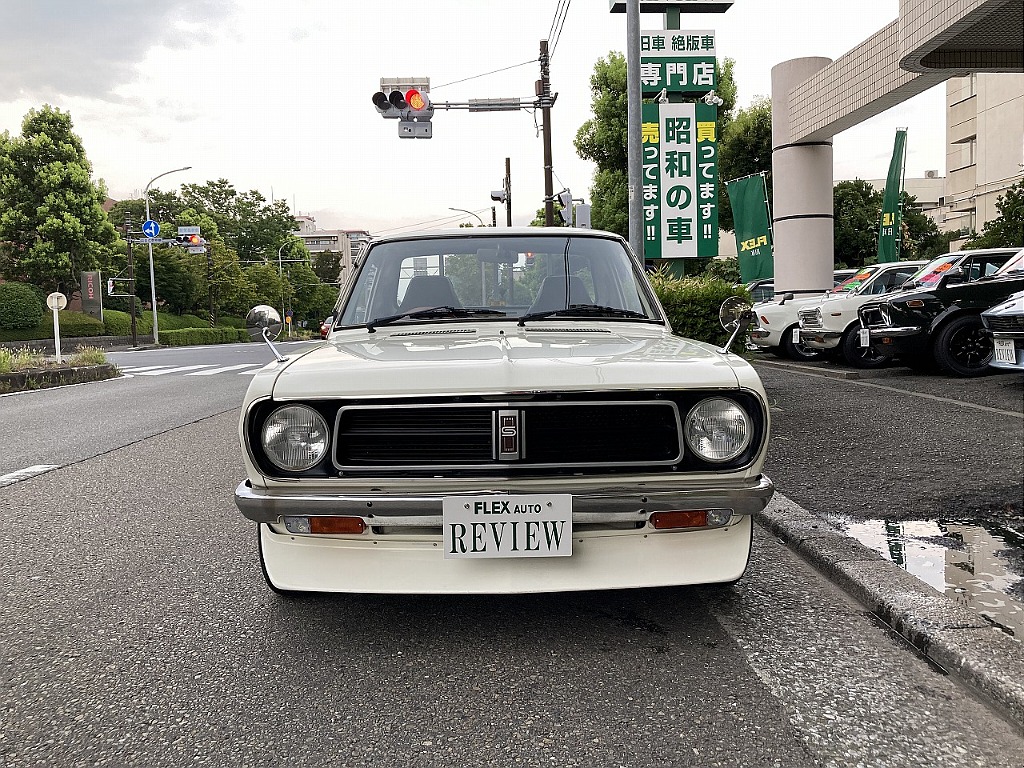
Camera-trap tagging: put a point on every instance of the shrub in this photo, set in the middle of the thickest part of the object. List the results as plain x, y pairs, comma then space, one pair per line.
14, 360
692, 304
189, 336
232, 322
117, 323
19, 307
87, 356
74, 324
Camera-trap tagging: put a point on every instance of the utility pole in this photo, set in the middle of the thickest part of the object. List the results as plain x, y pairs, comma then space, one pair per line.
543, 88
508, 192
131, 277
494, 216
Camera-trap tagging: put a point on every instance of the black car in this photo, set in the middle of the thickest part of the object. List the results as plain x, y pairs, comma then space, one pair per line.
940, 321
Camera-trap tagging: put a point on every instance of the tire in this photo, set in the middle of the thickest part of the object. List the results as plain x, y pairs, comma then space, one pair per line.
263, 567
852, 353
962, 347
798, 351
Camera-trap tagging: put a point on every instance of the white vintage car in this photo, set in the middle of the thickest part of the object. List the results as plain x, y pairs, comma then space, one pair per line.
832, 323
777, 327
501, 411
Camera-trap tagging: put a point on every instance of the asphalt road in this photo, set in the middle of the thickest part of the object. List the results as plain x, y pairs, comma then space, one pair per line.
902, 445
136, 630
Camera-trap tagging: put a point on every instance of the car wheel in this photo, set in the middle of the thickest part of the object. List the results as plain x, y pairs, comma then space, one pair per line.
797, 351
860, 357
263, 565
962, 347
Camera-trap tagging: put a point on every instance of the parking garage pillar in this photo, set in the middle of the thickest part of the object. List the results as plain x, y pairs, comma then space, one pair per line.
802, 191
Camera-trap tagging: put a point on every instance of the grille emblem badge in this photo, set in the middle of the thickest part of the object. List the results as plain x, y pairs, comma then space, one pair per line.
507, 437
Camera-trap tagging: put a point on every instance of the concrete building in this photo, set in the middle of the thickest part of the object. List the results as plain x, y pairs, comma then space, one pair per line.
815, 98
345, 242
984, 147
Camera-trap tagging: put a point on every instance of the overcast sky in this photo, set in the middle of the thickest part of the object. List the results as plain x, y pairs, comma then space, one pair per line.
275, 96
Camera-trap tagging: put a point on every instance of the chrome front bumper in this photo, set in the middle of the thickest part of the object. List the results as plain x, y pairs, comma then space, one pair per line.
592, 505
895, 332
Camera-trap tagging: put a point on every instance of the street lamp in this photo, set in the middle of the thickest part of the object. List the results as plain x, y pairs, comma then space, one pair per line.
152, 274
463, 210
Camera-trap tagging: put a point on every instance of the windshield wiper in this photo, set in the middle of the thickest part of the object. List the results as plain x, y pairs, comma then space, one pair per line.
585, 310
431, 312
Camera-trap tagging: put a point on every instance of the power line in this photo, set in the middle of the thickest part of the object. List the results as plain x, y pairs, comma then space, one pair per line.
485, 74
445, 220
556, 26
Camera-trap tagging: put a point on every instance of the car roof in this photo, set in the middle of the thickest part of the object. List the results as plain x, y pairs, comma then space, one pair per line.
465, 232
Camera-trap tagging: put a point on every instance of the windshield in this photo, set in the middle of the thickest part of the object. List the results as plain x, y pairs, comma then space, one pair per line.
930, 273
493, 278
853, 283
1015, 264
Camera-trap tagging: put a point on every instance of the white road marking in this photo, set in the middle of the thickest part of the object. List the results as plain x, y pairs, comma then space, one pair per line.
25, 474
225, 369
135, 369
171, 370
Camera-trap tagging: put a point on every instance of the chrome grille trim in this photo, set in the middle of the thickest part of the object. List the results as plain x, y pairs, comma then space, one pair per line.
495, 409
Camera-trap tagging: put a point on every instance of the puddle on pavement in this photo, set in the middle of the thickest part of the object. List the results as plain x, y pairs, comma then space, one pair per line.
976, 566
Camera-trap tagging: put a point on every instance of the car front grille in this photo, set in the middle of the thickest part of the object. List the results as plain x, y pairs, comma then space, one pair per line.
1005, 323
522, 434
810, 318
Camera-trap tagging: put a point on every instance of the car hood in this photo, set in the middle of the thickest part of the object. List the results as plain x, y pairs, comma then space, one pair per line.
1014, 305
457, 359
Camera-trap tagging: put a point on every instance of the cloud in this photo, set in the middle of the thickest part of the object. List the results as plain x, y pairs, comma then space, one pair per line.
50, 48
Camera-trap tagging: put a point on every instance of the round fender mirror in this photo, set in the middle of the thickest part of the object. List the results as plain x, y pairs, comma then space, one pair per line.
732, 311
263, 317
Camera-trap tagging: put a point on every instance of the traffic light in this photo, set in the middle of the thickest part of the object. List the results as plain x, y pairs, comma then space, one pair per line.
565, 200
189, 241
412, 107
499, 195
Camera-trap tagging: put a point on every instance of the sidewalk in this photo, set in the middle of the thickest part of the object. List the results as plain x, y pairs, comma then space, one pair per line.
949, 635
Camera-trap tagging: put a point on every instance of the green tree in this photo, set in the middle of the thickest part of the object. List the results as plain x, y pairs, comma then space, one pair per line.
920, 236
327, 266
52, 224
602, 139
727, 269
1007, 229
857, 208
745, 148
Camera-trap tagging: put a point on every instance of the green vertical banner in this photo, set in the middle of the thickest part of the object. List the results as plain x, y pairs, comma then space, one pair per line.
892, 216
680, 180
749, 199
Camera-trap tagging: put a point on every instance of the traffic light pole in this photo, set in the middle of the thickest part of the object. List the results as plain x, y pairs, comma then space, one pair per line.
544, 92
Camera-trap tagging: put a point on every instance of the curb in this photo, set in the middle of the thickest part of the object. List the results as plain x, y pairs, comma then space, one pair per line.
55, 377
949, 635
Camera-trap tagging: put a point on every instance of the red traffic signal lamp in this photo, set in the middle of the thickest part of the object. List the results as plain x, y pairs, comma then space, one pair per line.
188, 241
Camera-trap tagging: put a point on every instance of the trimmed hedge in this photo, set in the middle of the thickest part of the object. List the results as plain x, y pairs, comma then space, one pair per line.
20, 308
72, 325
692, 304
190, 336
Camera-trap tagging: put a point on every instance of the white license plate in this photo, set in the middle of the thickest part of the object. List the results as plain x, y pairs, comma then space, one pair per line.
865, 337
501, 525
796, 335
1005, 353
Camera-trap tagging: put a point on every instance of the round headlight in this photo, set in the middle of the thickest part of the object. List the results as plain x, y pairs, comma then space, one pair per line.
717, 429
295, 438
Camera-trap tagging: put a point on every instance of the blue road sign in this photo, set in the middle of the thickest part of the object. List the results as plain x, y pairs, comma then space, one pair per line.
150, 228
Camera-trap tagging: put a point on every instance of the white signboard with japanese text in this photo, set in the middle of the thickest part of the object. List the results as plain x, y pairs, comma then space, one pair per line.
678, 61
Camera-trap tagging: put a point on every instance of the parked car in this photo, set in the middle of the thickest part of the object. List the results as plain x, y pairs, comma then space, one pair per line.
832, 325
501, 411
325, 326
1006, 324
761, 290
941, 323
778, 327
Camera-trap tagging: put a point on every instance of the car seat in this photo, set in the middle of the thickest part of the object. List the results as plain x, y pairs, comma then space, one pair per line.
426, 291
552, 294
